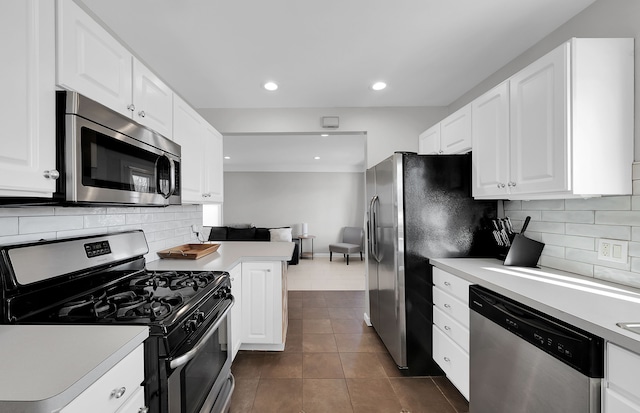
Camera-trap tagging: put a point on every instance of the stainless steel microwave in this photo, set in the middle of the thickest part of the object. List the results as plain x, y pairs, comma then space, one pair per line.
107, 158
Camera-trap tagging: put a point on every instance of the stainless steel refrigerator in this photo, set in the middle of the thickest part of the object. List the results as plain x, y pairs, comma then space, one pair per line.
420, 207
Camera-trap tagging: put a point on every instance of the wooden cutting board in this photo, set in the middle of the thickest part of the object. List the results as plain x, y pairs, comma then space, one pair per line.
189, 251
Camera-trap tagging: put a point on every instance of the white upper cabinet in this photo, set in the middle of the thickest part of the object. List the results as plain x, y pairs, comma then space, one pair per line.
429, 141
152, 100
490, 128
455, 132
570, 126
28, 116
201, 159
96, 65
91, 61
450, 136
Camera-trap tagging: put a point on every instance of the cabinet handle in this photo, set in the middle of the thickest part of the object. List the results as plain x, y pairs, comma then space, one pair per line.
500, 185
143, 410
131, 107
447, 306
441, 152
117, 393
447, 328
447, 359
142, 114
512, 183
447, 283
51, 174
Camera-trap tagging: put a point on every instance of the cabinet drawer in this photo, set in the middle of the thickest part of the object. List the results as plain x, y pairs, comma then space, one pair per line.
450, 327
101, 397
135, 402
623, 368
453, 360
451, 306
453, 285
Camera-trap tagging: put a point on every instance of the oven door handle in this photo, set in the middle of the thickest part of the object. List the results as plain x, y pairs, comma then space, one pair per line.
184, 359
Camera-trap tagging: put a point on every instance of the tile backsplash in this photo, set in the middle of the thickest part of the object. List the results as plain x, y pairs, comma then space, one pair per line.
163, 227
570, 229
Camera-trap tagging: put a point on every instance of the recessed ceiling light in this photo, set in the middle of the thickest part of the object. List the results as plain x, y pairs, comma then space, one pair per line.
316, 157
227, 157
378, 86
271, 86
325, 134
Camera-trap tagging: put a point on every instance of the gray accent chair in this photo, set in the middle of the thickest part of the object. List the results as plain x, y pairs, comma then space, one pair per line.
352, 238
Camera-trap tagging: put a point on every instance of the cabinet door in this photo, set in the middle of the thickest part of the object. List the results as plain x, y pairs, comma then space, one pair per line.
188, 131
236, 311
214, 184
539, 121
616, 403
91, 61
135, 403
153, 100
455, 132
261, 303
429, 141
27, 113
490, 131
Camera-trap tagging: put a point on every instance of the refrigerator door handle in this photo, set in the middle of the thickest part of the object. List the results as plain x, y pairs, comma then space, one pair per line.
373, 226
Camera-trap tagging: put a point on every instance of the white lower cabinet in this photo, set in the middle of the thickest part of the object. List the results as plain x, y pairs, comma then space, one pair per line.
451, 327
264, 306
622, 381
111, 392
236, 311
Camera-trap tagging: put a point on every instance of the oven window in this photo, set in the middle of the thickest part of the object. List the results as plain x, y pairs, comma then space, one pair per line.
201, 372
113, 164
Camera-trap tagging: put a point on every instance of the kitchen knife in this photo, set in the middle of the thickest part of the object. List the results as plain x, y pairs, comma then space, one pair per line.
525, 225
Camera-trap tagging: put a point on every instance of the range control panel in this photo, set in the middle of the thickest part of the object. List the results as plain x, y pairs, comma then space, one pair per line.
96, 249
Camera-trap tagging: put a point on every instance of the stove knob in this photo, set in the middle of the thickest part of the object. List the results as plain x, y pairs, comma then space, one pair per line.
200, 316
190, 326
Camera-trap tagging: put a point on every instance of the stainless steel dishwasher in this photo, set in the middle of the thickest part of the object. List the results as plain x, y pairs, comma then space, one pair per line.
525, 361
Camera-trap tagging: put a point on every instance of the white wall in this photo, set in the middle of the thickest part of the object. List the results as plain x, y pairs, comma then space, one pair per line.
325, 201
388, 129
163, 227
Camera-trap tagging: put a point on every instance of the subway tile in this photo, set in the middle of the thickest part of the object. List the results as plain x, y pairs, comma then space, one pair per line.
591, 257
630, 218
92, 221
634, 249
599, 231
546, 204
162, 217
512, 205
567, 265
636, 170
617, 276
123, 210
37, 236
553, 251
9, 226
80, 232
635, 203
33, 224
518, 217
79, 211
121, 228
635, 233
585, 243
635, 185
635, 264
23, 212
605, 203
580, 217
548, 227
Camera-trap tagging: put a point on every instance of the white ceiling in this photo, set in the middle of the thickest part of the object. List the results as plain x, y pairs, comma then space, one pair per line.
218, 53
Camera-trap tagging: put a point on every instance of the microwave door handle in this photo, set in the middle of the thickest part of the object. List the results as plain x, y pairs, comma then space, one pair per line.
184, 359
172, 177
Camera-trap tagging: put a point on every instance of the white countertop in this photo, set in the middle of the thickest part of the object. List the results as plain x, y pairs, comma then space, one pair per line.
588, 303
228, 255
44, 367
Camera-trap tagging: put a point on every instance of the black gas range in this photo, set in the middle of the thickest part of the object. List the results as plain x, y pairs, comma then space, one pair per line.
102, 280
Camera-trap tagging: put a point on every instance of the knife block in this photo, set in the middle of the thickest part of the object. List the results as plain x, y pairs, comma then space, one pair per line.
524, 252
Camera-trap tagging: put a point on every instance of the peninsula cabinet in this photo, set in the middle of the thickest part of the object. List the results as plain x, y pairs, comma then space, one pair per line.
570, 125
622, 380
96, 65
264, 306
235, 276
27, 159
450, 136
201, 159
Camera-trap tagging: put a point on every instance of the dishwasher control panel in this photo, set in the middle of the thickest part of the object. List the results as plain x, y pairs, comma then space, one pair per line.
576, 347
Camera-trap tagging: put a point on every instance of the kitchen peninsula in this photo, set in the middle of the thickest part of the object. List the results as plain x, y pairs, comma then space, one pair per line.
259, 318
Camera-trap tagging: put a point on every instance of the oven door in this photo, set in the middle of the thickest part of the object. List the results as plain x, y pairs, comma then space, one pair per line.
105, 166
200, 378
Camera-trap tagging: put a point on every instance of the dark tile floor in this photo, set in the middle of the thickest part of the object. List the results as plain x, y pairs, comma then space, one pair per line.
334, 363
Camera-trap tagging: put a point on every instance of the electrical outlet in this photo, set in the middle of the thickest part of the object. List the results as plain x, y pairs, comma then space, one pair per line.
613, 250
